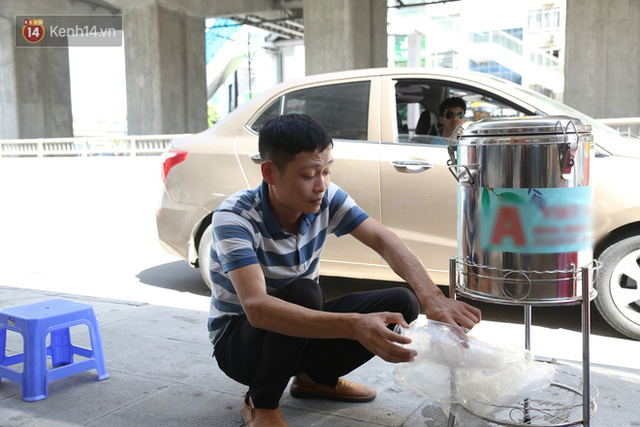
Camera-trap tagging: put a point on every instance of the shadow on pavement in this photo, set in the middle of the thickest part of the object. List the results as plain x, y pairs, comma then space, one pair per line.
181, 277
178, 276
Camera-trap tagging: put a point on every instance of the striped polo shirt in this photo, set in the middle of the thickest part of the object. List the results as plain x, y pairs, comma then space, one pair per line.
246, 232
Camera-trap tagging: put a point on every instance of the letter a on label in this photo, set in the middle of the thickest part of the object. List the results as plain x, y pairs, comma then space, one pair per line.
508, 224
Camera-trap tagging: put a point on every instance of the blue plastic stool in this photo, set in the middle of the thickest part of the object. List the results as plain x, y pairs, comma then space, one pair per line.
34, 322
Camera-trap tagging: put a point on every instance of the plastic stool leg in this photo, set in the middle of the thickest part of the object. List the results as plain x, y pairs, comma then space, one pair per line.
34, 376
3, 347
60, 349
96, 347
6, 361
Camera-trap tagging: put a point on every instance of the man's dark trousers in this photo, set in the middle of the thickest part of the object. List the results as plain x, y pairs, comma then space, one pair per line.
266, 361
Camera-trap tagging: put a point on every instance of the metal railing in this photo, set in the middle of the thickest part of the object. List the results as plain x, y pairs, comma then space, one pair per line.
84, 147
627, 126
146, 145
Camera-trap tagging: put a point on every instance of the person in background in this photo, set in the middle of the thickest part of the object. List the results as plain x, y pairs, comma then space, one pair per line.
268, 319
452, 112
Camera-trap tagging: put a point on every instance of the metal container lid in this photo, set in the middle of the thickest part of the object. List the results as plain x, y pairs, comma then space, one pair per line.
508, 126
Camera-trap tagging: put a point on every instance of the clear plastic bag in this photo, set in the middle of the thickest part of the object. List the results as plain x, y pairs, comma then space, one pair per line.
454, 368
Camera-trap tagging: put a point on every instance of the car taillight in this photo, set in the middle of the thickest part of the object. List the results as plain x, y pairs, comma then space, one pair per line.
172, 158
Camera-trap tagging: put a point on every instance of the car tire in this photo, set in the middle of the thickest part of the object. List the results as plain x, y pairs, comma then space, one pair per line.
203, 254
618, 289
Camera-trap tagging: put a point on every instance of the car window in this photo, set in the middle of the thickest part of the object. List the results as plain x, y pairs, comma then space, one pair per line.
417, 108
273, 110
343, 109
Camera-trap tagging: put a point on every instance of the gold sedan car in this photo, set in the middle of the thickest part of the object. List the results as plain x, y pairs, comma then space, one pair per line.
383, 123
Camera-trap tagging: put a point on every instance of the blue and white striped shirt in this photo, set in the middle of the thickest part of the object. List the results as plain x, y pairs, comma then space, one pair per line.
246, 232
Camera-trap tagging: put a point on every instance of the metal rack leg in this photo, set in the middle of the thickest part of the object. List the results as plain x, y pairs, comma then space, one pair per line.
527, 345
452, 278
451, 422
586, 332
527, 327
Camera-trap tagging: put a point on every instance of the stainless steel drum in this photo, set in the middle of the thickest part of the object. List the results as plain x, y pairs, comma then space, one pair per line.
524, 209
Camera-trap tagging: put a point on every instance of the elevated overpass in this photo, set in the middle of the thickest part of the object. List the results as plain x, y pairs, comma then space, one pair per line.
166, 64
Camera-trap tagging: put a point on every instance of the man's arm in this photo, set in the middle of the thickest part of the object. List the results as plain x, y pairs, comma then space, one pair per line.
404, 262
266, 312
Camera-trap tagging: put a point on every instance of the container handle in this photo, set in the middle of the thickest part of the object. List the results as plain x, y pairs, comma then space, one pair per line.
566, 161
469, 180
452, 148
453, 162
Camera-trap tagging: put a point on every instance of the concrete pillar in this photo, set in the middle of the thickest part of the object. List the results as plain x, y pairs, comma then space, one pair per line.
43, 88
602, 57
233, 7
8, 99
165, 63
35, 89
344, 35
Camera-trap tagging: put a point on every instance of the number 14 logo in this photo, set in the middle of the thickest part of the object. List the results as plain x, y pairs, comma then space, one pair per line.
33, 30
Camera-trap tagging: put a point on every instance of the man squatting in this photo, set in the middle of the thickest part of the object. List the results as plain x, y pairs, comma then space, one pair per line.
268, 318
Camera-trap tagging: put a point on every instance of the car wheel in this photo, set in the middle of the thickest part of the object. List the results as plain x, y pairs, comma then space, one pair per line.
203, 254
618, 298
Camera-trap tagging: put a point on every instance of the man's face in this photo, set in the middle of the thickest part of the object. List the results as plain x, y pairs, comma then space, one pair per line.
300, 187
452, 117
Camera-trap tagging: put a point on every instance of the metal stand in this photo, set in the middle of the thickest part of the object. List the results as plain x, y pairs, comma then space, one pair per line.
586, 368
586, 360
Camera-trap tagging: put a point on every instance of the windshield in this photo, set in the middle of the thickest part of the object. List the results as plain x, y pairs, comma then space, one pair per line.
570, 111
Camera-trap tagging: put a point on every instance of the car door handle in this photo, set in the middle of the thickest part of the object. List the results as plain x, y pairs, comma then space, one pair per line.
255, 157
411, 166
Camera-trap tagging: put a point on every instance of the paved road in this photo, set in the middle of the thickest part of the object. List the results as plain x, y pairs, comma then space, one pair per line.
86, 226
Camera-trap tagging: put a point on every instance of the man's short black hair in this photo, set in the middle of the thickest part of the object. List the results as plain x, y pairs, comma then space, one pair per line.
284, 136
452, 103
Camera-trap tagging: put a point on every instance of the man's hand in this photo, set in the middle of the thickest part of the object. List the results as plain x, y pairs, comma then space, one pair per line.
450, 311
372, 331
404, 262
